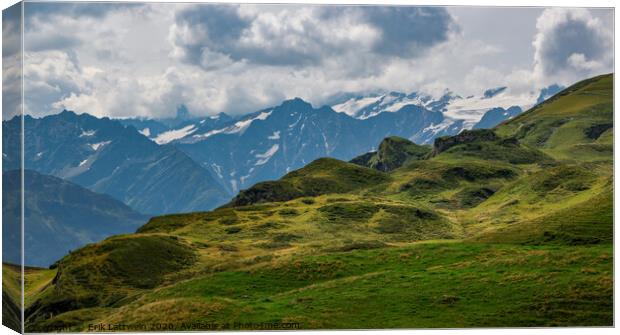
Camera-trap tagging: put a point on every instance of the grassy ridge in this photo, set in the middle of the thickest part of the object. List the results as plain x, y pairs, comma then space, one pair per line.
322, 176
393, 153
109, 272
565, 126
587, 222
503, 227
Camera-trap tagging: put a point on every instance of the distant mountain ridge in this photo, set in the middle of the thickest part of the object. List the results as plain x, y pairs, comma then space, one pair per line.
107, 157
467, 112
222, 154
269, 143
60, 216
360, 106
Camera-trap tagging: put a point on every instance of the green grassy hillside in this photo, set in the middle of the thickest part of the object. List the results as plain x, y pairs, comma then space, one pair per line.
489, 228
322, 176
393, 153
577, 123
11, 296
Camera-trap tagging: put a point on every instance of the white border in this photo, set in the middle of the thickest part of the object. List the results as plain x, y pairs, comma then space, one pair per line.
485, 3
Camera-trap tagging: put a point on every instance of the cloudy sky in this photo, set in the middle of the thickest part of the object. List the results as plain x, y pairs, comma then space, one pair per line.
144, 60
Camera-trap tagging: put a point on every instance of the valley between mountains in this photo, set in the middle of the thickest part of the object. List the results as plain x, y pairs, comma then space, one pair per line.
504, 227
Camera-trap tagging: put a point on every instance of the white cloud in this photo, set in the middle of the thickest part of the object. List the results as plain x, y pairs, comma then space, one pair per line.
581, 63
11, 62
305, 35
571, 44
147, 60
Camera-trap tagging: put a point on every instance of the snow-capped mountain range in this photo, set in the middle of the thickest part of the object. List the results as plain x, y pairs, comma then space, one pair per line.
188, 163
205, 161
267, 144
455, 108
460, 112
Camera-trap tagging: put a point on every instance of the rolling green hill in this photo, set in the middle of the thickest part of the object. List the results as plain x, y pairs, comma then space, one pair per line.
322, 176
393, 152
576, 123
505, 227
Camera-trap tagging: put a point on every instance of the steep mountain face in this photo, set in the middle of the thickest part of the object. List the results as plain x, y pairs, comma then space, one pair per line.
267, 144
61, 216
106, 157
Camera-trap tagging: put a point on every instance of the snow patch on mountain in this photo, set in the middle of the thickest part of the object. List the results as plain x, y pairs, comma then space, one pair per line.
171, 135
146, 132
469, 110
209, 134
366, 107
241, 126
292, 125
217, 169
352, 106
88, 133
472, 109
238, 128
274, 136
434, 129
264, 157
417, 101
96, 146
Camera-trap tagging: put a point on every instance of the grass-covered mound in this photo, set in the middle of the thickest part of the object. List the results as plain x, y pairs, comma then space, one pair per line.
393, 153
465, 137
324, 223
322, 176
586, 222
106, 273
451, 183
484, 144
